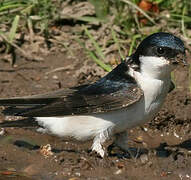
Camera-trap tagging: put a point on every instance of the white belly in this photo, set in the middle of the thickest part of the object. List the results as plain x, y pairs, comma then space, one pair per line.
88, 126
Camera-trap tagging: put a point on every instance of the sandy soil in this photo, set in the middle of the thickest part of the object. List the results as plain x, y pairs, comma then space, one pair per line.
163, 145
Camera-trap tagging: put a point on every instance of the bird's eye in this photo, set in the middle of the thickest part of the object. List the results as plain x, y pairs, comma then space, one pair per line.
160, 51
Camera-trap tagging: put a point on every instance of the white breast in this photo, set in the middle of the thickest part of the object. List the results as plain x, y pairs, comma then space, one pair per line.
155, 91
87, 127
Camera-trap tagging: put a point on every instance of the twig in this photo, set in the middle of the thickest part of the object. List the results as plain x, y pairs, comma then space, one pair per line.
60, 69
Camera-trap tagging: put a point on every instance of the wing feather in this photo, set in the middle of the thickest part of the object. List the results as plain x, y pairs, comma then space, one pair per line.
114, 91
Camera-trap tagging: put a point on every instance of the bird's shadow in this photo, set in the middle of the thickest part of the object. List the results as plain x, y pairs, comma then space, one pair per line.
30, 146
163, 150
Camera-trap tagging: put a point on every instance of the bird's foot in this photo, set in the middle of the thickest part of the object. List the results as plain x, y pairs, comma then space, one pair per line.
97, 147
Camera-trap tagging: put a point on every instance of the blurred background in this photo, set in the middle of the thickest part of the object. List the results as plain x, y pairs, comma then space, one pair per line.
107, 30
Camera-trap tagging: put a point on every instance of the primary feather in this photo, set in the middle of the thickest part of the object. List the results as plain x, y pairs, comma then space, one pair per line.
114, 91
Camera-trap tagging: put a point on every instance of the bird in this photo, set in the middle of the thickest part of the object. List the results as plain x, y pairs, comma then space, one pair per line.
128, 96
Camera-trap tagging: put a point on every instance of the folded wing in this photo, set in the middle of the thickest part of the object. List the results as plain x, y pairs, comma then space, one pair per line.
114, 91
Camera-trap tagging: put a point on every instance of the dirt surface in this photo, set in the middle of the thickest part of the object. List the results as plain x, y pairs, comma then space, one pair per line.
162, 146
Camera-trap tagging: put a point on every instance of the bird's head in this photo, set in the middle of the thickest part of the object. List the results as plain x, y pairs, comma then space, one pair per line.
159, 54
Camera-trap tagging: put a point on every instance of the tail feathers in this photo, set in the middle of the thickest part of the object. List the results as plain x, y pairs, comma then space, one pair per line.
17, 111
25, 101
27, 122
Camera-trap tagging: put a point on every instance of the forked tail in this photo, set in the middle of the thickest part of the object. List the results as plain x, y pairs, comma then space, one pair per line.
26, 122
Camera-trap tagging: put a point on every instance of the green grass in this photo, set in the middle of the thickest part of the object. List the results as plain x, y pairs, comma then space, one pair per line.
116, 41
119, 18
41, 12
96, 56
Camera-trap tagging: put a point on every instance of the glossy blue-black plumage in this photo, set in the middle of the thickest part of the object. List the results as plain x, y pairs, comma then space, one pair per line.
116, 80
163, 39
114, 91
168, 43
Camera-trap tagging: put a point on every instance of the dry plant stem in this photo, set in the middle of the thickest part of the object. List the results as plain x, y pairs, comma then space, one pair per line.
60, 69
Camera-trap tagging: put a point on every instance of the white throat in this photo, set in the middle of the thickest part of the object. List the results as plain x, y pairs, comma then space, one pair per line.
155, 67
154, 79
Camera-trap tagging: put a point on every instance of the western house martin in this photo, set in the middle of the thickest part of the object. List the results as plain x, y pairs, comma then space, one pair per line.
128, 96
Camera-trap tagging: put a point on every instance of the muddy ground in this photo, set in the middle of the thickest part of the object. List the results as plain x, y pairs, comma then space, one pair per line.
163, 145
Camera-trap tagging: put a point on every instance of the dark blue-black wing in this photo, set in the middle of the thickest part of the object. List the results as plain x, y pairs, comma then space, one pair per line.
114, 91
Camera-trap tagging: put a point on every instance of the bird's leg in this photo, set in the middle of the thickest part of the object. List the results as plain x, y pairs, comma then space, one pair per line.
122, 142
99, 141
98, 147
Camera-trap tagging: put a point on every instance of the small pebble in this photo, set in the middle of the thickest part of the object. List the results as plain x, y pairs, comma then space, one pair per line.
37, 78
2, 131
145, 145
176, 135
74, 178
119, 171
144, 158
145, 129
77, 174
120, 165
38, 86
55, 77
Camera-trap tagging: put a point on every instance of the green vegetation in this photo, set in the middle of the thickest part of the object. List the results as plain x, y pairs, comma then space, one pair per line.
41, 12
112, 26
